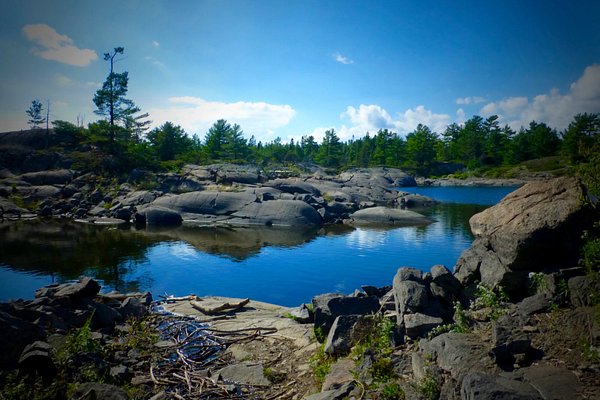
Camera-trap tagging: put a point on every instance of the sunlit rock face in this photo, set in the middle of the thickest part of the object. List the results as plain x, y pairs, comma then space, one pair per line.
535, 228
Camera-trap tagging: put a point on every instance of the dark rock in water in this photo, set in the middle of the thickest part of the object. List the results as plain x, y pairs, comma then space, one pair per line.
478, 386
535, 227
123, 213
207, 202
98, 391
158, 216
582, 290
85, 288
388, 216
277, 213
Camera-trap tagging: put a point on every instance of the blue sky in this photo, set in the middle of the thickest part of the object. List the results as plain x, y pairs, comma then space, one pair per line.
293, 68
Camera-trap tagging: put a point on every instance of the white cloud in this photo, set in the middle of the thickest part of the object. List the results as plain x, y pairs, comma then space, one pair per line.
470, 100
155, 43
342, 59
155, 62
412, 117
510, 105
197, 115
63, 80
460, 116
371, 118
50, 45
553, 108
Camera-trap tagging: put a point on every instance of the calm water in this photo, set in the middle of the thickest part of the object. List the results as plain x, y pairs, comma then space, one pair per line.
285, 267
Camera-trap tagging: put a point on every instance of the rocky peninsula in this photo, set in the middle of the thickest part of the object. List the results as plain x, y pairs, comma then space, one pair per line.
517, 318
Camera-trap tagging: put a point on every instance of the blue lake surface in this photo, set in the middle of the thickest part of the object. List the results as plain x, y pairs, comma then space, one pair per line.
286, 267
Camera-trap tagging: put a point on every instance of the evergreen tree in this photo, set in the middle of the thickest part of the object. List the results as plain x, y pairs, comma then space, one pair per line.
215, 138
234, 146
169, 141
35, 114
580, 137
420, 147
330, 152
110, 100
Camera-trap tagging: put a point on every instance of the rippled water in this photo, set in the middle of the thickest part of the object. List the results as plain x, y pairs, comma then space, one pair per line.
281, 266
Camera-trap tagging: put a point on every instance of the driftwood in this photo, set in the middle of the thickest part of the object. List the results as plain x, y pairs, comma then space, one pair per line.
182, 371
221, 307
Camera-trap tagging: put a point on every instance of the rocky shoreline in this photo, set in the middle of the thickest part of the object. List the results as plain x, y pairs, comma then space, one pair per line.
217, 195
516, 319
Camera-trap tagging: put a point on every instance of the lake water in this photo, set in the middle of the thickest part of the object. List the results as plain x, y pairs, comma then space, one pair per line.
282, 266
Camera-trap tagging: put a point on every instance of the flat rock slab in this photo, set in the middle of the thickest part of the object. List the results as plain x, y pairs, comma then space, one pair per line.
552, 382
245, 373
254, 314
388, 216
273, 340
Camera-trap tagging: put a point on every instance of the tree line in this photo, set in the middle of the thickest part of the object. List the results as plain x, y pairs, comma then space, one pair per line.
124, 134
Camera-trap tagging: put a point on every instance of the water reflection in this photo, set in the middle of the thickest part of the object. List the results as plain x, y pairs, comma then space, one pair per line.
69, 249
284, 266
238, 243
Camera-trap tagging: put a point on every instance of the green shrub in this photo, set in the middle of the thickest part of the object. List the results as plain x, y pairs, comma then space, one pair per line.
428, 388
320, 364
493, 299
392, 391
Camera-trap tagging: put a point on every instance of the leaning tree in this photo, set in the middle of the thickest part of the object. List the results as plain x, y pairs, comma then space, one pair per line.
110, 100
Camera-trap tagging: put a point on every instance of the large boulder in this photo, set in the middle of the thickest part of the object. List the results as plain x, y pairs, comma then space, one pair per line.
327, 307
56, 177
458, 354
277, 213
537, 227
388, 216
207, 202
158, 216
478, 386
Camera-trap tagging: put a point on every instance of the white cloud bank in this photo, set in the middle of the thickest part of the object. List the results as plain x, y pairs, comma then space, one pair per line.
197, 115
470, 100
50, 45
553, 108
342, 59
371, 118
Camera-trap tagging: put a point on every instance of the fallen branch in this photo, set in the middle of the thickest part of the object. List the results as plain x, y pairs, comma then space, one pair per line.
221, 307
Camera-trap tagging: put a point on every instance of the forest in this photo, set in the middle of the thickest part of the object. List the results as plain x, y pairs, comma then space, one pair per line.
122, 139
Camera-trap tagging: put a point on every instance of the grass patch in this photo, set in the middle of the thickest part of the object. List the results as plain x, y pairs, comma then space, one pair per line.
428, 388
392, 391
320, 364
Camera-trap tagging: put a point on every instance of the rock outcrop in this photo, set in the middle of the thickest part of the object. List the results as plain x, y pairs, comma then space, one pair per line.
535, 228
